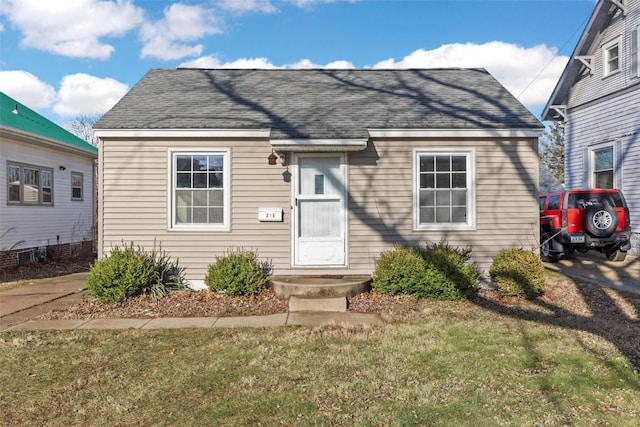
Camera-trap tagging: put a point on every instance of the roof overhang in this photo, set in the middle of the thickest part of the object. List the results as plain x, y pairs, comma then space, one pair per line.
316, 145
46, 142
598, 19
183, 133
455, 133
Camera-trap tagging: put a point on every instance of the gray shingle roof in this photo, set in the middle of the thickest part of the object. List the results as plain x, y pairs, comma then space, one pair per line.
318, 103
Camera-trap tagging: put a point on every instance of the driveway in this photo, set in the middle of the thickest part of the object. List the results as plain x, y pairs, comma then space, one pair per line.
593, 267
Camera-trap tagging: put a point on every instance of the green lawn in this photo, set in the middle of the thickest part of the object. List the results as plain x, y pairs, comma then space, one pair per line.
459, 365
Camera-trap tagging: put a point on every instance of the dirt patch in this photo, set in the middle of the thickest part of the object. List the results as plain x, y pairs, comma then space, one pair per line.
47, 268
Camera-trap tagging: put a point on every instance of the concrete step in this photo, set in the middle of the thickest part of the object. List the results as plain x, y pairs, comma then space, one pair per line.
320, 286
302, 303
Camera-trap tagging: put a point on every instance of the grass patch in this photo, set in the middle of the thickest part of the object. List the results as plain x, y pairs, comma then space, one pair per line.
460, 365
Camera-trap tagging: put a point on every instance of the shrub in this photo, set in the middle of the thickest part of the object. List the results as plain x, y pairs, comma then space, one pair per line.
400, 270
458, 276
237, 273
129, 271
436, 271
517, 272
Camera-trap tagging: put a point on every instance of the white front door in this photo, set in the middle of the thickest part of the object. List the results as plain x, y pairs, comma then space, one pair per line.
319, 210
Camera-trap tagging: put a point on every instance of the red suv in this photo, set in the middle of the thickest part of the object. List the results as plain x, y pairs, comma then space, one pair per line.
582, 220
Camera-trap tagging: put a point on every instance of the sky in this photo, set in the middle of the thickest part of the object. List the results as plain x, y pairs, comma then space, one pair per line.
72, 58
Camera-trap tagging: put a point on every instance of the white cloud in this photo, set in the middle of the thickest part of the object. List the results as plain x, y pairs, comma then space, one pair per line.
259, 63
310, 3
72, 28
243, 6
82, 94
213, 62
518, 68
28, 89
164, 39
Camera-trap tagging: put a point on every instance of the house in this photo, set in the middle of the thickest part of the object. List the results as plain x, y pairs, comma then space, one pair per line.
598, 99
47, 202
319, 170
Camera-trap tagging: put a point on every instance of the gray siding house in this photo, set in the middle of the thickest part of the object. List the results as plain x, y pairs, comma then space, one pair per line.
319, 170
598, 99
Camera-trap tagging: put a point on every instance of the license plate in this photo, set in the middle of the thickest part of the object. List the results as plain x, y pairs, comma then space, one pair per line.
579, 238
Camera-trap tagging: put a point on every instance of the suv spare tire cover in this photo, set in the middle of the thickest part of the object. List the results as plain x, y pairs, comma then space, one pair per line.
600, 220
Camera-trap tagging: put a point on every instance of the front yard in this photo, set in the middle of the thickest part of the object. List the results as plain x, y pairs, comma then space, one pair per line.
570, 357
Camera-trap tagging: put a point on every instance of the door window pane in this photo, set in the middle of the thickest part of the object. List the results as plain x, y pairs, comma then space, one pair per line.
318, 218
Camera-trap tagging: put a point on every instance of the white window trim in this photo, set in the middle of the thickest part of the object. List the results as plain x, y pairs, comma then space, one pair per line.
592, 162
471, 185
605, 57
81, 175
171, 162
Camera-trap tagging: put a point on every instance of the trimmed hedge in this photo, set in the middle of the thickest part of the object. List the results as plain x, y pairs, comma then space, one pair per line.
518, 272
238, 273
436, 271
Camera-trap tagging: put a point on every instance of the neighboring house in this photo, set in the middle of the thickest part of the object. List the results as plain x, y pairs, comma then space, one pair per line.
319, 170
598, 98
47, 202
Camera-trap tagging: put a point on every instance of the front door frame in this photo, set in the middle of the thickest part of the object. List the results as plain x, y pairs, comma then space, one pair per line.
295, 190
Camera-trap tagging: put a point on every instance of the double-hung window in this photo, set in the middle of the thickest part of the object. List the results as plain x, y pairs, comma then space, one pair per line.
444, 197
200, 190
76, 186
603, 167
29, 185
611, 53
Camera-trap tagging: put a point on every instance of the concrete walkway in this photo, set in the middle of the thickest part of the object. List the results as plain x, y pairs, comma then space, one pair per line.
593, 267
19, 307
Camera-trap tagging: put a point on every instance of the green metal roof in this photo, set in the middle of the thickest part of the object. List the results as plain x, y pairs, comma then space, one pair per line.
28, 121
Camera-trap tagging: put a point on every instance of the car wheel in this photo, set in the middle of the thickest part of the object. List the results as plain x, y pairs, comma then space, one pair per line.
546, 254
615, 255
600, 220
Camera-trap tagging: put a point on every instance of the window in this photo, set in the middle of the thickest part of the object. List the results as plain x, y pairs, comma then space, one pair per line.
29, 185
200, 190
603, 167
444, 198
554, 203
76, 186
611, 57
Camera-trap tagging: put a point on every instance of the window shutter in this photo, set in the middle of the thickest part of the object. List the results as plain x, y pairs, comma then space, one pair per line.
634, 53
618, 162
585, 168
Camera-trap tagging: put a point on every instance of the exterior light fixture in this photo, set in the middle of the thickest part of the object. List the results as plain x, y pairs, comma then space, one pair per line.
15, 109
275, 157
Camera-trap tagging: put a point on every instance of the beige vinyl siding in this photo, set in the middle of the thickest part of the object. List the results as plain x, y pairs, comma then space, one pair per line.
135, 202
381, 199
135, 189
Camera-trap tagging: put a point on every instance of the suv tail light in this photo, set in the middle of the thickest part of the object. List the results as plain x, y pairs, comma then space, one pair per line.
627, 218
565, 219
